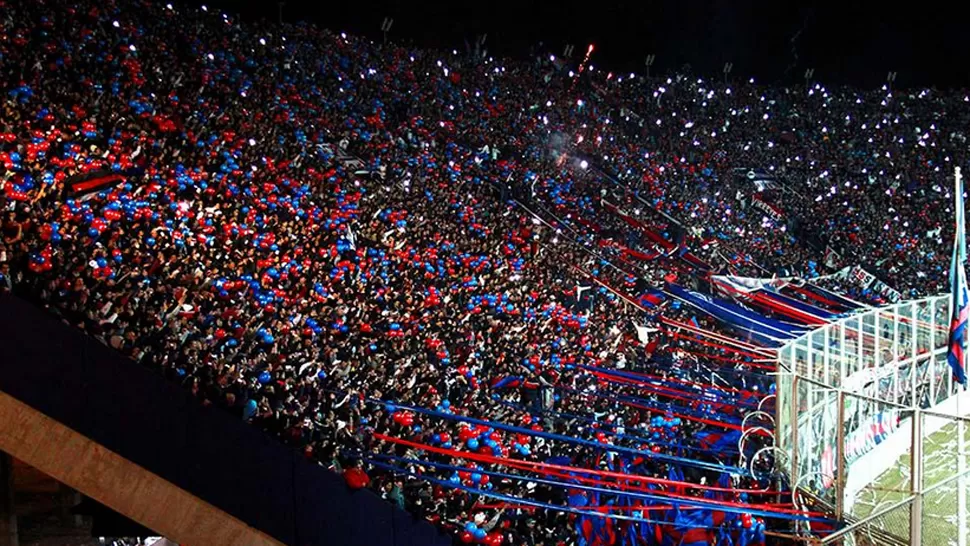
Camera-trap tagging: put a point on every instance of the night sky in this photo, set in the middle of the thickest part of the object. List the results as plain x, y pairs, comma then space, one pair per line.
845, 42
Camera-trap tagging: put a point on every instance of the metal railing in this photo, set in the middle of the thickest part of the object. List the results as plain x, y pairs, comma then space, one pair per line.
868, 415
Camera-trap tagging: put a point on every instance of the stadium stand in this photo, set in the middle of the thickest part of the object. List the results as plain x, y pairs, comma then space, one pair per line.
529, 306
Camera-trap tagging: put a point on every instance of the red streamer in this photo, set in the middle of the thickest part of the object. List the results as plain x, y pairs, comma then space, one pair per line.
557, 470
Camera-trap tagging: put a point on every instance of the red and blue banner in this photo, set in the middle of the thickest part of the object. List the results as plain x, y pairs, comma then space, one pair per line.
960, 307
761, 328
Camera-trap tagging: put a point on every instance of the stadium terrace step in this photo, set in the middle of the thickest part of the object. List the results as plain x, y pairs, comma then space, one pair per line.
126, 437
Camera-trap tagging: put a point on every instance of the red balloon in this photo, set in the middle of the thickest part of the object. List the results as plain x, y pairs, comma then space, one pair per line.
445, 437
467, 537
356, 478
495, 436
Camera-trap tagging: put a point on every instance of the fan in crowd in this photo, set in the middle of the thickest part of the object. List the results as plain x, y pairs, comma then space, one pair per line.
443, 274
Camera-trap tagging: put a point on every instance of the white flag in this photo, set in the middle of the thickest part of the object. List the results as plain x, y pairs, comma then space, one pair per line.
643, 333
351, 238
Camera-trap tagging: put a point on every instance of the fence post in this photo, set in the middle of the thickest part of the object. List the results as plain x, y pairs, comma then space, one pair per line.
962, 472
916, 478
840, 477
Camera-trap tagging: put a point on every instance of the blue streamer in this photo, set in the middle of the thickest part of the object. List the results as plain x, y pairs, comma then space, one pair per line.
726, 398
657, 406
551, 436
630, 437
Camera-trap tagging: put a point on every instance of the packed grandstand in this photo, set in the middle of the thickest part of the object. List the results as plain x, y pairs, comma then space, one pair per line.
531, 303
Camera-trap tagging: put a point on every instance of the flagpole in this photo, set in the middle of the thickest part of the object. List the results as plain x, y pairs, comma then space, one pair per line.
961, 471
961, 427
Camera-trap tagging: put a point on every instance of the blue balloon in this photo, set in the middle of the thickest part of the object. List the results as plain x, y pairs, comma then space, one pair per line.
250, 409
578, 500
264, 377
472, 443
471, 527
476, 477
479, 534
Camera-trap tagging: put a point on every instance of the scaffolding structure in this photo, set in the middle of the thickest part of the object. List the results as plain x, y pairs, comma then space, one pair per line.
862, 403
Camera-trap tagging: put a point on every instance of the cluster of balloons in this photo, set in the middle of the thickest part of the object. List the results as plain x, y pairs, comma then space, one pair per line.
312, 327
471, 477
51, 232
444, 439
265, 336
403, 418
41, 261
757, 525
103, 271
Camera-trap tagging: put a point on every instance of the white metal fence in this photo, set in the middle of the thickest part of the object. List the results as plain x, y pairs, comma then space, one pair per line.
867, 412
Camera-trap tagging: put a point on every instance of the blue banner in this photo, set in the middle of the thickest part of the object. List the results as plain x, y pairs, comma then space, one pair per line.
762, 328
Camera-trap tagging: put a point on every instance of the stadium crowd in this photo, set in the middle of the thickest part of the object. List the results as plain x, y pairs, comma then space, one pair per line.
348, 243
